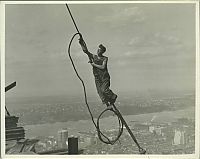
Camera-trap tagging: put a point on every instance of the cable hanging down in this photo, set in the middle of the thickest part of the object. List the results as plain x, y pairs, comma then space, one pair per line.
115, 110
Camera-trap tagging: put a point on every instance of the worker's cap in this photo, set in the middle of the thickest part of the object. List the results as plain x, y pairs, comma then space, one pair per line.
103, 48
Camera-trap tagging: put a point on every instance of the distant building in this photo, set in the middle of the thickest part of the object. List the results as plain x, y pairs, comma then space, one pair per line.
151, 129
62, 138
156, 129
141, 126
179, 137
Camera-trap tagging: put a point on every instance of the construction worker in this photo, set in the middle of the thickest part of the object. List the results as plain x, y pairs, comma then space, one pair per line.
101, 75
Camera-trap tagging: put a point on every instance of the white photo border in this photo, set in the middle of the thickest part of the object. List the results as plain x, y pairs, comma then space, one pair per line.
197, 95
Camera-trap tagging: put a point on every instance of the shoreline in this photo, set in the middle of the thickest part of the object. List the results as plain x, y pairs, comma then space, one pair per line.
51, 129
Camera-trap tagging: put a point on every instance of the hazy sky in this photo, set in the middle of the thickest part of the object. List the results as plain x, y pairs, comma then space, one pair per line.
150, 46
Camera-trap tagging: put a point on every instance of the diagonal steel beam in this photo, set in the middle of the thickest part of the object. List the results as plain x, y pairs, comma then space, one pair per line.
10, 86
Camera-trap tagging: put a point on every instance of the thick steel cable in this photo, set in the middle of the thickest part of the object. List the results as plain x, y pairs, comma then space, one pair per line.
116, 112
72, 18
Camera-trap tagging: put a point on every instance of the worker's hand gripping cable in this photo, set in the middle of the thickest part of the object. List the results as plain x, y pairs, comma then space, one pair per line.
84, 48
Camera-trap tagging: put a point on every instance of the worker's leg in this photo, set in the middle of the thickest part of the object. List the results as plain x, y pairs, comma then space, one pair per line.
99, 91
109, 95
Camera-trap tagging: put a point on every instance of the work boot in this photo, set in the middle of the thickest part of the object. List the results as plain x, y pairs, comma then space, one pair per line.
107, 104
110, 107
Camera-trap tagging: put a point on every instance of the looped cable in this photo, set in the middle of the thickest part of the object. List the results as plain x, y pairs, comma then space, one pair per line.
121, 125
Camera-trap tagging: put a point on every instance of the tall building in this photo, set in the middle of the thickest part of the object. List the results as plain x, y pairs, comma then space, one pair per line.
62, 138
183, 141
179, 137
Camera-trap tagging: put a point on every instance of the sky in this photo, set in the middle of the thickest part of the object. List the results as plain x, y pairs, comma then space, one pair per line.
149, 46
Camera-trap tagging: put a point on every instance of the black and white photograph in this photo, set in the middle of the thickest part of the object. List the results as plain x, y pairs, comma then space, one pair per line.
99, 78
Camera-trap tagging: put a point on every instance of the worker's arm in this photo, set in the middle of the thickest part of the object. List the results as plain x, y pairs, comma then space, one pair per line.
101, 66
84, 48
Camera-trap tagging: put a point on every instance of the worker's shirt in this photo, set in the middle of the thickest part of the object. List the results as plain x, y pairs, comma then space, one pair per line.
100, 74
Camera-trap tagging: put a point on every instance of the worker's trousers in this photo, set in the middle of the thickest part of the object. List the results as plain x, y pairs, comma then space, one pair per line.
103, 89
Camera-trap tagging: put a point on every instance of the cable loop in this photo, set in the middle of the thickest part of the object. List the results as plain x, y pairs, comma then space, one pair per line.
120, 128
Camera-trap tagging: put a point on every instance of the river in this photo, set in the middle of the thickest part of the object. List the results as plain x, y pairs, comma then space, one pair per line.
51, 129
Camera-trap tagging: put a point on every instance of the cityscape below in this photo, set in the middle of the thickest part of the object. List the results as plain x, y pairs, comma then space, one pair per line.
161, 125
157, 138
